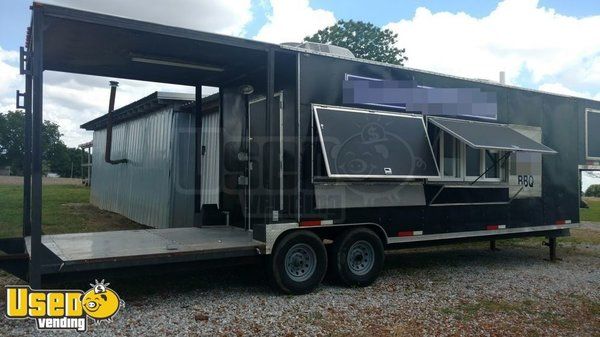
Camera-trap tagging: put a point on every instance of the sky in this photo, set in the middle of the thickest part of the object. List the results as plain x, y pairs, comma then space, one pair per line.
550, 45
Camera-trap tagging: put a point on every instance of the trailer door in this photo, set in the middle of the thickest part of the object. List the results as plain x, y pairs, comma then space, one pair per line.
259, 140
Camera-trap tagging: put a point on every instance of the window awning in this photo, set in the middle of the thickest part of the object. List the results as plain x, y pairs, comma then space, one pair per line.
481, 135
365, 144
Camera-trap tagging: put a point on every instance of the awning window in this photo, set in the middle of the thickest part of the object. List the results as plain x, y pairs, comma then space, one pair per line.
481, 135
360, 143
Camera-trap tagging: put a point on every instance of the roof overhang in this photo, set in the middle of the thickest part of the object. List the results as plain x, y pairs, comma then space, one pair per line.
492, 136
90, 43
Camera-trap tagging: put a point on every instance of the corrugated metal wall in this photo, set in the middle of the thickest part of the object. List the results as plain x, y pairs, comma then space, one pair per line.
183, 171
143, 188
210, 158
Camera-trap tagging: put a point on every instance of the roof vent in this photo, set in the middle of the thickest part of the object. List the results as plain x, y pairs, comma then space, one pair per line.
322, 48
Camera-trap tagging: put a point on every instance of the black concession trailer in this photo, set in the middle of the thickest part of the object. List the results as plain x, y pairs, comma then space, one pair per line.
325, 160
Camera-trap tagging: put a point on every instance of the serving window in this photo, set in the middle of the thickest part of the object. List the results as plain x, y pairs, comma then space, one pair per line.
478, 151
367, 144
461, 162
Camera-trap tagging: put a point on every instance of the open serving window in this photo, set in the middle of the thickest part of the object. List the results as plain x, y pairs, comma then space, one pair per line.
360, 143
489, 136
472, 152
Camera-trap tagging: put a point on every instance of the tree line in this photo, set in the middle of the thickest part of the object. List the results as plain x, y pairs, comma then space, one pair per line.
56, 157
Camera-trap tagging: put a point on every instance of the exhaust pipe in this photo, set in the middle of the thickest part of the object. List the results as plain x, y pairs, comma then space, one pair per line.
111, 107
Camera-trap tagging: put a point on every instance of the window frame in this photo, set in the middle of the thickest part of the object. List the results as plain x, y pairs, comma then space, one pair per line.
316, 130
458, 176
461, 151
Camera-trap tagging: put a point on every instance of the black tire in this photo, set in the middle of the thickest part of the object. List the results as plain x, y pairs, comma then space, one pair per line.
366, 261
306, 260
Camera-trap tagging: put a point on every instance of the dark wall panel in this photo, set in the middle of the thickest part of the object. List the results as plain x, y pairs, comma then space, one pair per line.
560, 172
561, 119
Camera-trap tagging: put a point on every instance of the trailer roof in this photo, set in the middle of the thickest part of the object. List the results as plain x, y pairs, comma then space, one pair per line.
117, 40
149, 104
138, 108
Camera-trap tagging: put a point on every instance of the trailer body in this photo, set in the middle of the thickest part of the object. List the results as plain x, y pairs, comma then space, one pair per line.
295, 136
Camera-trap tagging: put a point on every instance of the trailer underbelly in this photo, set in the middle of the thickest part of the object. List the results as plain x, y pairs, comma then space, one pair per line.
102, 250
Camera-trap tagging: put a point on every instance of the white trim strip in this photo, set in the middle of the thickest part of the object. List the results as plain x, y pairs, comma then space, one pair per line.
471, 234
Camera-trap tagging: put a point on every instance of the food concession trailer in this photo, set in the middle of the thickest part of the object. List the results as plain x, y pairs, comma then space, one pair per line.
325, 160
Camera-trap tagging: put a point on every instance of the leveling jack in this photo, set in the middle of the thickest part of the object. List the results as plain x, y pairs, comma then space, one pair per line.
551, 243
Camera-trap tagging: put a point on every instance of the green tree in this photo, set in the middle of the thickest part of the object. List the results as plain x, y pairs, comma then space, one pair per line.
364, 40
593, 191
57, 157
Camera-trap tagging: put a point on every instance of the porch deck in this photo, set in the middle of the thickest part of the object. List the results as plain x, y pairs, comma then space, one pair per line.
84, 251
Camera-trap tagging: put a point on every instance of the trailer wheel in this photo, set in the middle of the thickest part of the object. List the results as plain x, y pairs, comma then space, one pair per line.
298, 263
357, 257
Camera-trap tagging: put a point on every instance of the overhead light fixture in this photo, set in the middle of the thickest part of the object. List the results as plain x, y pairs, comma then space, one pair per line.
246, 89
175, 63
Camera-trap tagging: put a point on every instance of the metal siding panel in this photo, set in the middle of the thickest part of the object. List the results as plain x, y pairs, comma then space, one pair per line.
182, 171
139, 189
210, 159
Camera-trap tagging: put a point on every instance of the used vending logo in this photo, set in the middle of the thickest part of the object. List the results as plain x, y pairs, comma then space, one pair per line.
63, 309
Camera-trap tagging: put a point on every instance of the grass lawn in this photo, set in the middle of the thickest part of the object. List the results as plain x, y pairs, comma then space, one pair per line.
592, 213
65, 209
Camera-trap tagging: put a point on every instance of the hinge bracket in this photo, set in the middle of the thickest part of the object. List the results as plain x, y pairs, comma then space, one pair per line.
18, 98
23, 60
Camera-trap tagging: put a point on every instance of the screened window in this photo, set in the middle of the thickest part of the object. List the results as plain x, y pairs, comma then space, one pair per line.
473, 162
461, 162
360, 143
451, 160
492, 165
592, 139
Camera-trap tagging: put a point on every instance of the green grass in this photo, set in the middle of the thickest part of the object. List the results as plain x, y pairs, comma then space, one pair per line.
592, 213
65, 209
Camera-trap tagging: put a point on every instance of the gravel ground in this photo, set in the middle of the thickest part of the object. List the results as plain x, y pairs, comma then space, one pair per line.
463, 290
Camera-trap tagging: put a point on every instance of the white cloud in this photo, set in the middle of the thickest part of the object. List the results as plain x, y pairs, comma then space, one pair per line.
559, 88
518, 36
9, 78
224, 16
293, 20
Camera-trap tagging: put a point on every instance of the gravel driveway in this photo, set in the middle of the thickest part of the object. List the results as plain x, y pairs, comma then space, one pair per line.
463, 290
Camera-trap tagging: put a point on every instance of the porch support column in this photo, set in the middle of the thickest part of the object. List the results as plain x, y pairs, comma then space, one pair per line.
198, 157
35, 258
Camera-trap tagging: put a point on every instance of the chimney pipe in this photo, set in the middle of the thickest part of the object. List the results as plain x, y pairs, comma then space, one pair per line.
502, 77
111, 108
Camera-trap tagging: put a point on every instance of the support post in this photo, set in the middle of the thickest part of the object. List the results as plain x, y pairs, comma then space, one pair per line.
35, 258
272, 162
493, 246
198, 156
27, 153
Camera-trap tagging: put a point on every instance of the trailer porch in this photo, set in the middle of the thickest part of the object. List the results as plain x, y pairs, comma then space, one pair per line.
116, 249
